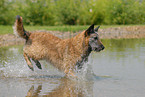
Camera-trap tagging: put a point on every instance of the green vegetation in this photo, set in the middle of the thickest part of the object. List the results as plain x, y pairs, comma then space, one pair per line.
7, 29
73, 12
57, 28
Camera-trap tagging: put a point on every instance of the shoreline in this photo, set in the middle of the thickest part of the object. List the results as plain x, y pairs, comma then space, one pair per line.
108, 33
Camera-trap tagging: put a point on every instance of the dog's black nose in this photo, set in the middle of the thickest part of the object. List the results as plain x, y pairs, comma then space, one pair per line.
102, 46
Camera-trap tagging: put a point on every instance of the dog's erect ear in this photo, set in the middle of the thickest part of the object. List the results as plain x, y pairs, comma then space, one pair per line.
89, 30
96, 29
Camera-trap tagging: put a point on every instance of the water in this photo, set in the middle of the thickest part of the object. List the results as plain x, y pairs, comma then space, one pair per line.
118, 71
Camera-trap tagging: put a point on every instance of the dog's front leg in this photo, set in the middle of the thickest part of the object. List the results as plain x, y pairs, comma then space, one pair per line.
37, 63
28, 61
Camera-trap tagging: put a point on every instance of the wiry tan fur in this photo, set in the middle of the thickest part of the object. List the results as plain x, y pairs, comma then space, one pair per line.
62, 53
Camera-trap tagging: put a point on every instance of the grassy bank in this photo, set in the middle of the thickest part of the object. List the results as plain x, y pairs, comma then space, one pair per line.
106, 32
9, 29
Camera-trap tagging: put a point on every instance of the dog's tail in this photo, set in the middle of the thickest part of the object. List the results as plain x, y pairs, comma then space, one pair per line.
19, 29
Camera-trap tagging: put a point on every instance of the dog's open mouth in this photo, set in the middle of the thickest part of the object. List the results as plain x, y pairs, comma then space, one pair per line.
98, 49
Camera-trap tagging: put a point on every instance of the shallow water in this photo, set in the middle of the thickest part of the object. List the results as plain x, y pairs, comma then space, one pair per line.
118, 71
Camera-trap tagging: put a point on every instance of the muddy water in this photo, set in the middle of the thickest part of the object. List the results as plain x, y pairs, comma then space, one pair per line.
118, 71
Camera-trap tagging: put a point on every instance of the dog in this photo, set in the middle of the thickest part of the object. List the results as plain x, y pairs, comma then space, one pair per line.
64, 54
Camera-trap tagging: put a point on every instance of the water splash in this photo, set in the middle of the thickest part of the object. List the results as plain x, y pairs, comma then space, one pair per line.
19, 68
86, 72
14, 69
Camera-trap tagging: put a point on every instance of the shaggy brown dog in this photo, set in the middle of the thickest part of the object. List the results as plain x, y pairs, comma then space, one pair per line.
65, 54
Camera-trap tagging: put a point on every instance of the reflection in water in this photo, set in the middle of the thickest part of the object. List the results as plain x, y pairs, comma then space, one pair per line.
120, 45
34, 93
67, 88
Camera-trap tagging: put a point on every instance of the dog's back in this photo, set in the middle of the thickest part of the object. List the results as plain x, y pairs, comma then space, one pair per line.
41, 45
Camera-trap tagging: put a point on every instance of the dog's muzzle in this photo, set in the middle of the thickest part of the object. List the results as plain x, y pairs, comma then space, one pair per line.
100, 48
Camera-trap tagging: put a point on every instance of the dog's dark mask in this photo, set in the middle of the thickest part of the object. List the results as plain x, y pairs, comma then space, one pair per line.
94, 40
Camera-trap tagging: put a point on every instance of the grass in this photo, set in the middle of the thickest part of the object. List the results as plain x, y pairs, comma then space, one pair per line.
8, 29
5, 29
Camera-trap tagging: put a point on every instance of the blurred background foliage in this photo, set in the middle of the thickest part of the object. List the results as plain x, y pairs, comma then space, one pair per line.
73, 12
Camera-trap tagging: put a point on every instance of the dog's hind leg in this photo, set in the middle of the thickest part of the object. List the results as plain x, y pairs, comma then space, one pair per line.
37, 63
29, 63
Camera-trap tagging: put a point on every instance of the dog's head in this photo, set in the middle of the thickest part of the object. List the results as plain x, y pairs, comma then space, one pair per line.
93, 39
